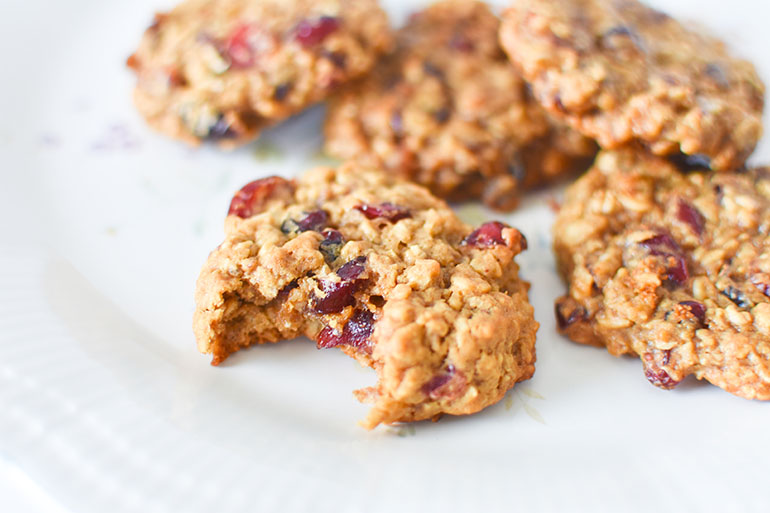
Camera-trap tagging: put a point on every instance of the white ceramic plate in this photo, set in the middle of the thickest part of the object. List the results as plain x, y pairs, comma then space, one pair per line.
105, 404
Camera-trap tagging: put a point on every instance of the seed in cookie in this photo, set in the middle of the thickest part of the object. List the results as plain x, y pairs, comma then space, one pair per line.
222, 70
356, 259
448, 111
618, 71
671, 267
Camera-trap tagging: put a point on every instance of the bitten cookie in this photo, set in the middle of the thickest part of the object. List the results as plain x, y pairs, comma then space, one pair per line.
448, 111
222, 70
353, 258
672, 267
618, 71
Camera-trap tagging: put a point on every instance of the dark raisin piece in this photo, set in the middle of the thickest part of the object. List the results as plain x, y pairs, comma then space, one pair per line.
690, 163
564, 320
357, 333
282, 91
487, 235
339, 59
737, 297
660, 378
385, 210
661, 244
309, 33
677, 272
253, 197
220, 130
433, 70
690, 215
441, 115
717, 73
698, 310
331, 245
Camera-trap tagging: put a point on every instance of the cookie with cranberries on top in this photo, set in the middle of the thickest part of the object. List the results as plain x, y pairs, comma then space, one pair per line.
449, 111
619, 71
671, 267
356, 259
222, 70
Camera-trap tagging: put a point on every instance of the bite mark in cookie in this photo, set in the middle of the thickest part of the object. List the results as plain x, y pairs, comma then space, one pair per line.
382, 270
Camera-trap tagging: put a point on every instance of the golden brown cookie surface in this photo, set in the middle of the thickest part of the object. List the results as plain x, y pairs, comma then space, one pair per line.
672, 267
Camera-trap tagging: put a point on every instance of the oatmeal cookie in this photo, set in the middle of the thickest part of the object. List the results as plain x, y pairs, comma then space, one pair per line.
222, 70
672, 267
618, 71
355, 259
449, 111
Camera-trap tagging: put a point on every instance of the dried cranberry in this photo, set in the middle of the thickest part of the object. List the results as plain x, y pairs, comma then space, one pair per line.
251, 199
353, 269
314, 221
664, 245
331, 245
698, 310
461, 43
661, 244
564, 320
448, 385
660, 378
737, 297
690, 215
339, 294
356, 333
309, 33
487, 235
237, 48
385, 210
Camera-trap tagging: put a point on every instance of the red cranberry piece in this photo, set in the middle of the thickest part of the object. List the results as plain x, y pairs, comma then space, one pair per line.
677, 273
309, 33
353, 269
660, 378
661, 244
690, 215
564, 320
461, 43
253, 197
487, 235
385, 210
698, 310
356, 333
238, 49
448, 385
339, 294
313, 221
